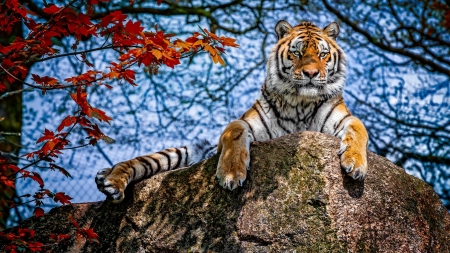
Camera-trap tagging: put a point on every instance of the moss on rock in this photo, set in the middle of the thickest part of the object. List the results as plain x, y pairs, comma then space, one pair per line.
296, 198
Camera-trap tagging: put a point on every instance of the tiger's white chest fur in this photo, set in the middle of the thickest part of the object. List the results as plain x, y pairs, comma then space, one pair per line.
279, 117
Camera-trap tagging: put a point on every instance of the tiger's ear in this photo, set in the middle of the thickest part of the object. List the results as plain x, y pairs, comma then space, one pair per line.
282, 29
332, 30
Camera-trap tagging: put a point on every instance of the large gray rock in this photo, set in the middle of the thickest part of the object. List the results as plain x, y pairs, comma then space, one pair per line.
295, 198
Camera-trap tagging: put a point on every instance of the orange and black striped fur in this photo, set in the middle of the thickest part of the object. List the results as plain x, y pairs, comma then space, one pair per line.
303, 88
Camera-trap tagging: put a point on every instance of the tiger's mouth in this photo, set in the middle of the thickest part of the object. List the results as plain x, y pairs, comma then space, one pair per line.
304, 83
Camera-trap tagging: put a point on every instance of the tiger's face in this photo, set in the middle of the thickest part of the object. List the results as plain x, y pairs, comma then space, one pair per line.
307, 62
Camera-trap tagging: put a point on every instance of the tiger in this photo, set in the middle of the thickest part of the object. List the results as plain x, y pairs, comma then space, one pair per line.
306, 75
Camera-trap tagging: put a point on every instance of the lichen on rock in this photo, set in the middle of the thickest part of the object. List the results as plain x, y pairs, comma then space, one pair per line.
295, 198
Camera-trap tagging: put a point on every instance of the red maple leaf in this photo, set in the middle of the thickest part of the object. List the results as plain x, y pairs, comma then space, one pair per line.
35, 246
89, 234
61, 169
38, 212
52, 9
48, 135
4, 180
67, 121
62, 197
45, 80
134, 28
36, 177
100, 115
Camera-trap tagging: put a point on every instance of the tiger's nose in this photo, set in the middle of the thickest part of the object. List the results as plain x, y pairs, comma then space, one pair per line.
310, 72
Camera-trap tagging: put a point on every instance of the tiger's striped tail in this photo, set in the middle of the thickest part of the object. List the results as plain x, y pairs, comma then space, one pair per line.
112, 182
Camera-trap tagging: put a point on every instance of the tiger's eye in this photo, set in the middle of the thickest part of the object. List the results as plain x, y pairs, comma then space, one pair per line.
296, 53
323, 54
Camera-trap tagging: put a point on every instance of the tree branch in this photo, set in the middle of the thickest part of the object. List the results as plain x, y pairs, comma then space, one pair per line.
400, 51
7, 94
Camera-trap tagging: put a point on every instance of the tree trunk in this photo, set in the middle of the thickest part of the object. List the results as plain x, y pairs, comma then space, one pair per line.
10, 128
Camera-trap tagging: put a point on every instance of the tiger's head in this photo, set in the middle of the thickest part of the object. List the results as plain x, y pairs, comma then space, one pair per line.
306, 63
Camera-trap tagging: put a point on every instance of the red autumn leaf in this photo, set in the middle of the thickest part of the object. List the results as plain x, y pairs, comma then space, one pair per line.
90, 234
129, 73
36, 177
124, 57
25, 232
134, 28
52, 9
45, 80
100, 115
35, 246
67, 121
13, 167
85, 19
48, 135
62, 197
118, 16
7, 63
38, 212
61, 169
157, 53
59, 237
81, 99
159, 2
105, 21
4, 180
75, 223
228, 42
48, 147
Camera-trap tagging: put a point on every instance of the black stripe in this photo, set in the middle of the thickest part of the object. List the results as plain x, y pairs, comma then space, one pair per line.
280, 125
239, 136
179, 158
337, 61
187, 155
127, 173
157, 164
316, 109
284, 68
147, 165
340, 101
207, 151
262, 120
167, 156
340, 122
134, 172
275, 109
251, 129
130, 165
277, 62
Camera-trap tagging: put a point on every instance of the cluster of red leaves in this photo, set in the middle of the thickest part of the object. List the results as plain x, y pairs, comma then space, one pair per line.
87, 233
40, 195
136, 46
20, 241
9, 172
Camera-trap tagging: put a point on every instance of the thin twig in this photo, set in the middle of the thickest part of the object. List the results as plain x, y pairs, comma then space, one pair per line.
35, 86
10, 133
75, 53
7, 94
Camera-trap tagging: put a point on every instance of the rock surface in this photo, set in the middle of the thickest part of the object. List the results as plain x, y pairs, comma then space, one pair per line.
295, 198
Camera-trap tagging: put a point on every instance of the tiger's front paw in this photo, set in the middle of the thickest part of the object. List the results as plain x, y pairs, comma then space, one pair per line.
113, 187
232, 168
353, 161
